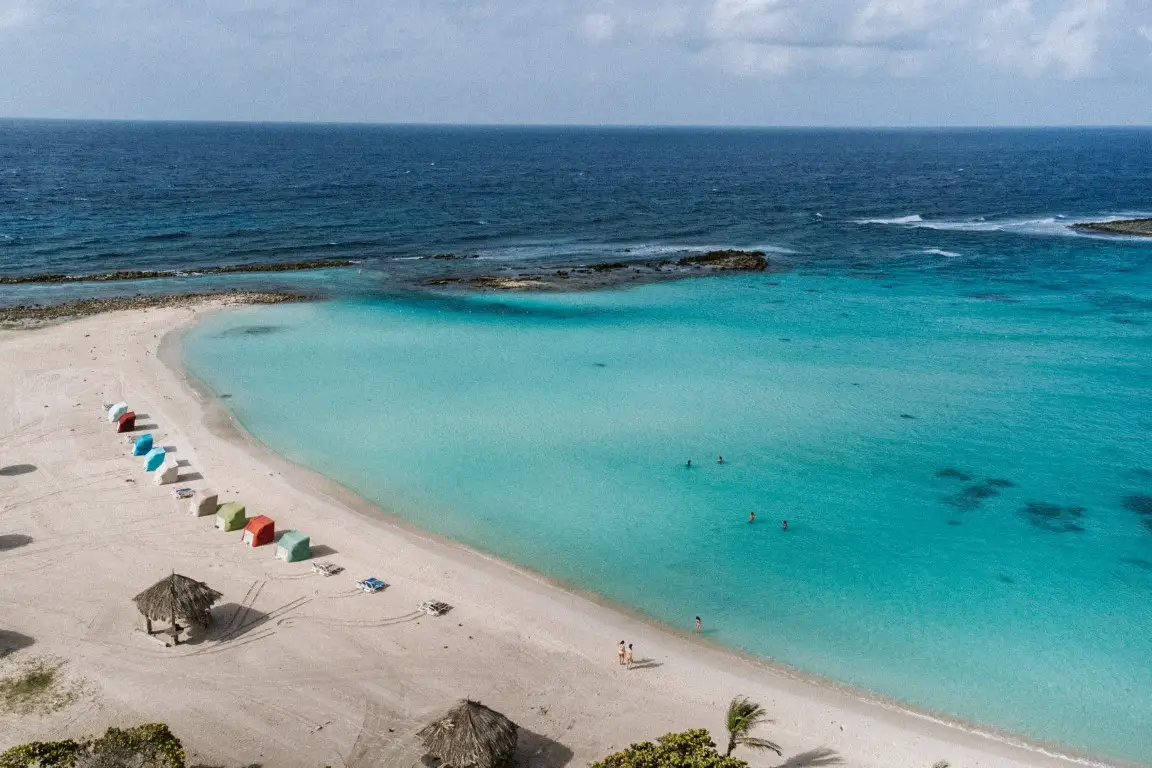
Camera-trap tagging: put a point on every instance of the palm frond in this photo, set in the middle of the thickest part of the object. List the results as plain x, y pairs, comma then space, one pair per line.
754, 743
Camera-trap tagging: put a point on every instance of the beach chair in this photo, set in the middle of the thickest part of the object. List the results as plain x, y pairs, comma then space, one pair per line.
326, 569
371, 585
167, 473
115, 411
435, 607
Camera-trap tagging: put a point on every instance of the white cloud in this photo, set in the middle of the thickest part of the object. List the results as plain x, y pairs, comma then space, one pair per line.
597, 27
1067, 44
16, 13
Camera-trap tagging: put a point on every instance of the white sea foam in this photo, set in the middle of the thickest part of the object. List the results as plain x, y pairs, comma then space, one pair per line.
941, 252
1058, 224
913, 219
600, 251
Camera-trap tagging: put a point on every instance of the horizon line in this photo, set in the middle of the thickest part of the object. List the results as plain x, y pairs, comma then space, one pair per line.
586, 126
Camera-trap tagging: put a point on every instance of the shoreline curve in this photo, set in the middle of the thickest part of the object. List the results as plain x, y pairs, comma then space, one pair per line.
220, 421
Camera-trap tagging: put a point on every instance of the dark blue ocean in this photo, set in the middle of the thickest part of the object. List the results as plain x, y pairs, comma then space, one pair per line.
946, 390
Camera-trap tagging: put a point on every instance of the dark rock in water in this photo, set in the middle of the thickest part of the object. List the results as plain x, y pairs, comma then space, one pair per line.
1138, 473
453, 256
952, 473
1139, 562
593, 277
954, 523
745, 261
30, 316
1053, 517
1140, 227
999, 482
972, 496
907, 416
137, 274
600, 365
1006, 579
1141, 504
785, 338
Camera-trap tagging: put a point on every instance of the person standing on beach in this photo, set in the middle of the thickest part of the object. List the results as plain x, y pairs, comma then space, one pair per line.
621, 651
628, 656
699, 625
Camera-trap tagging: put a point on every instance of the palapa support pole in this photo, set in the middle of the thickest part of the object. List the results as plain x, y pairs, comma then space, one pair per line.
175, 626
148, 624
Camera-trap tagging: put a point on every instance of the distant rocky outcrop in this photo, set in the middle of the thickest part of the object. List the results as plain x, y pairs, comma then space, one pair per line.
139, 274
603, 276
1139, 227
34, 315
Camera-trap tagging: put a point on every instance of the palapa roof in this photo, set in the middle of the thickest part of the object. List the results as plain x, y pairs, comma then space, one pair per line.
178, 596
471, 735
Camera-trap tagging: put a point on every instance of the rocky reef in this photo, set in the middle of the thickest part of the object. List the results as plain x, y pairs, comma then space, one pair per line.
35, 315
595, 277
1139, 227
138, 274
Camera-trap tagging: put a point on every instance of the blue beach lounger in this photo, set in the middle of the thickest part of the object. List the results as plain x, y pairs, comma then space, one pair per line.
153, 459
142, 445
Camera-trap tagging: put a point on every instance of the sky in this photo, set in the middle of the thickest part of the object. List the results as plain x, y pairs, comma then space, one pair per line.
620, 62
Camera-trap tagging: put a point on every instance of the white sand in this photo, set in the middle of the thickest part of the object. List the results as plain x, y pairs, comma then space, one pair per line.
313, 672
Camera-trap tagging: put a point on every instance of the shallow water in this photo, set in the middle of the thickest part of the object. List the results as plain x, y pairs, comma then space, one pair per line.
958, 473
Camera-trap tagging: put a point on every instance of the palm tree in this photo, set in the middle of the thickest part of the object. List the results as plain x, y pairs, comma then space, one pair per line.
744, 715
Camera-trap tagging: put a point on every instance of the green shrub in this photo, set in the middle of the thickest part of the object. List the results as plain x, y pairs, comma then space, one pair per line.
146, 746
690, 749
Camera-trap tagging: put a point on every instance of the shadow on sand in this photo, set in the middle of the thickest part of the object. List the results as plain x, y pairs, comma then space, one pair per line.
814, 758
10, 642
13, 541
17, 469
535, 750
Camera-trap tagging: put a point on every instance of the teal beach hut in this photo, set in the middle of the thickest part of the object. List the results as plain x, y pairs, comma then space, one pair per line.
293, 546
153, 459
142, 445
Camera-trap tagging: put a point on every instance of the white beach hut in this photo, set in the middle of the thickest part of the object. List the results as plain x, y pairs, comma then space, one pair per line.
168, 472
204, 502
116, 411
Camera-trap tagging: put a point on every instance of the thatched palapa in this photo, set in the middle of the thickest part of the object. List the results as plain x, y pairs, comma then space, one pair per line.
471, 735
177, 597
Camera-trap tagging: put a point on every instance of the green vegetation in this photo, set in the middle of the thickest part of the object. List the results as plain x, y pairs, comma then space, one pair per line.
744, 716
146, 746
37, 687
690, 749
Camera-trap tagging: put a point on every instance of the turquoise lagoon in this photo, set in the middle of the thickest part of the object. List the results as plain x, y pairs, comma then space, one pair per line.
963, 467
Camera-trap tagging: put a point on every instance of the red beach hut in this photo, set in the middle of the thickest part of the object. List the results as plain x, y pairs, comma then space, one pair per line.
259, 531
127, 422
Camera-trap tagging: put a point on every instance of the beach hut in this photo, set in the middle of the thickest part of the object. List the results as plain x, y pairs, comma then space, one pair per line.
204, 502
259, 531
167, 472
174, 598
293, 546
153, 459
116, 411
471, 735
230, 516
127, 422
142, 445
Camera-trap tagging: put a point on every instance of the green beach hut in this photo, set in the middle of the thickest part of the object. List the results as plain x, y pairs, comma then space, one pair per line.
293, 546
231, 517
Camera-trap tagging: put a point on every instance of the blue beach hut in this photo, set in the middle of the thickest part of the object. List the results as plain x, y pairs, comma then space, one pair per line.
153, 459
142, 445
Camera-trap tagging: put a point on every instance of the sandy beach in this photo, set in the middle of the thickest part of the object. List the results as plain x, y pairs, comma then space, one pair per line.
303, 670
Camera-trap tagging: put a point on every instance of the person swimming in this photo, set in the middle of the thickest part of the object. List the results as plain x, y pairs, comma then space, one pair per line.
784, 525
719, 459
751, 517
689, 464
